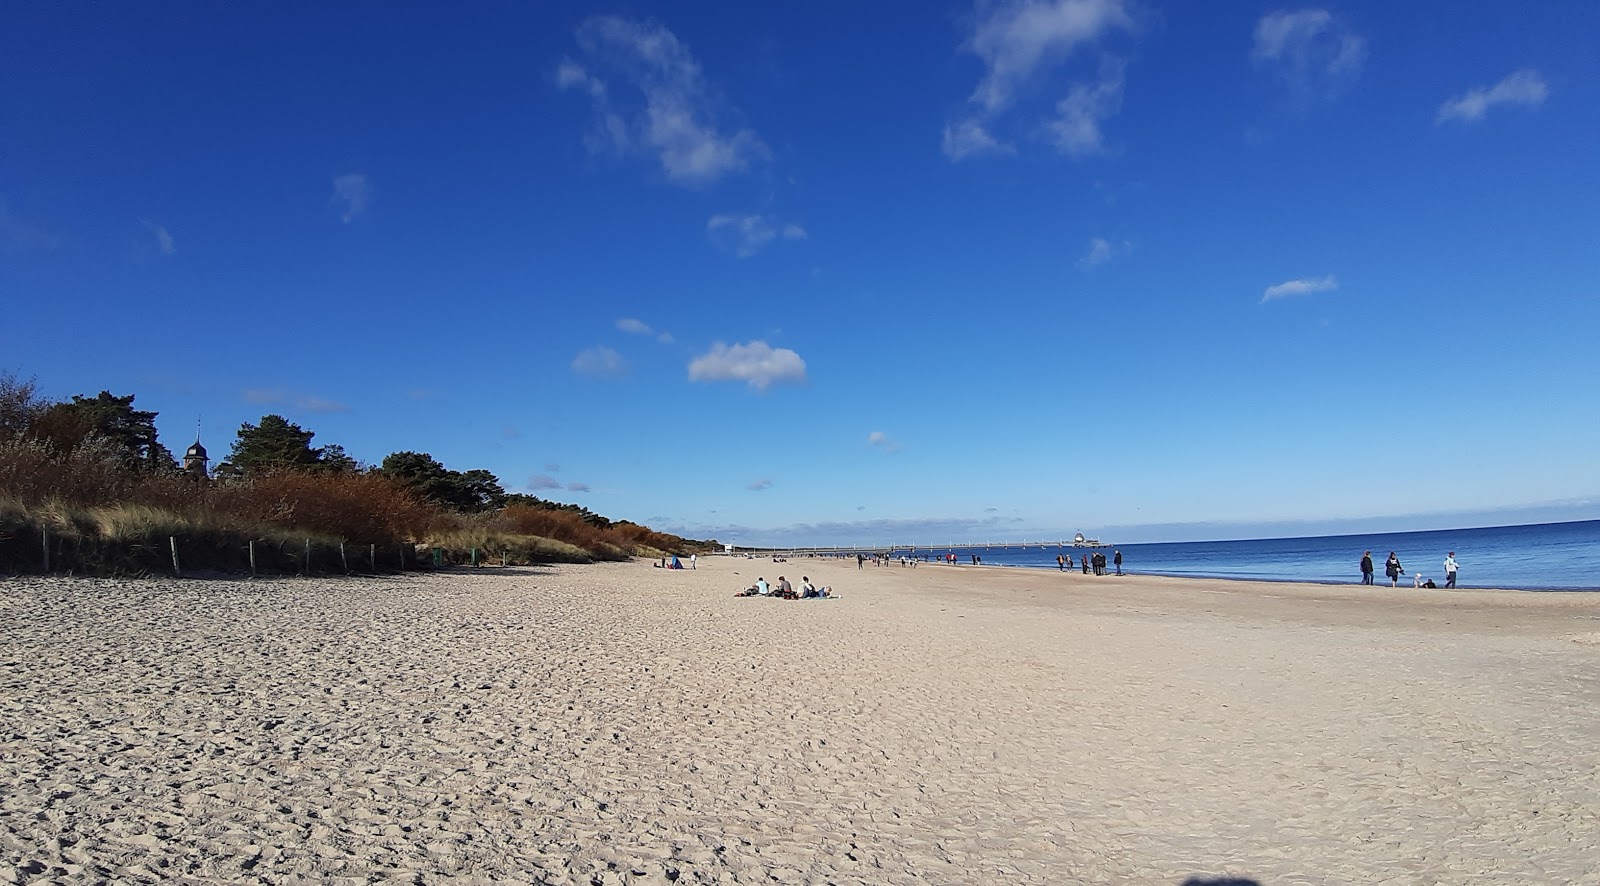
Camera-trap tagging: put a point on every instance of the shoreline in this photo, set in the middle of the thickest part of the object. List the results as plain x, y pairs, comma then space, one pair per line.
623, 724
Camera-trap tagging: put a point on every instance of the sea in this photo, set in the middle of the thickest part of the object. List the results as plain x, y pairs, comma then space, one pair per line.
1541, 557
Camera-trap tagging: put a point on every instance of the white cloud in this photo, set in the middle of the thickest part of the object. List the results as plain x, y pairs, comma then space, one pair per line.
1101, 250
969, 138
746, 235
639, 327
675, 114
317, 404
281, 397
1017, 39
1075, 130
1302, 286
600, 363
1020, 42
543, 481
1523, 87
351, 195
1313, 52
756, 363
162, 235
881, 441
758, 485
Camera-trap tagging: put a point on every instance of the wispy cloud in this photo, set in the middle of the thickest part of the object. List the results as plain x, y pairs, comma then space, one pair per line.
1017, 40
352, 194
880, 440
1302, 286
1314, 53
601, 363
552, 467
969, 138
317, 404
756, 363
759, 485
1523, 87
18, 234
578, 487
1101, 250
746, 235
667, 108
543, 481
281, 397
639, 327
1020, 42
510, 433
1075, 129
163, 236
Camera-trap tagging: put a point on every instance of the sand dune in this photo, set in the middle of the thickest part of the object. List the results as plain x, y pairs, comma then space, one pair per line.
627, 724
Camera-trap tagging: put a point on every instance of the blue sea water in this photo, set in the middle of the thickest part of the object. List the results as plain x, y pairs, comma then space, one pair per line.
1546, 556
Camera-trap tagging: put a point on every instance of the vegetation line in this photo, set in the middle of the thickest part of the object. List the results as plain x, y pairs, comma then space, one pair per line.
87, 487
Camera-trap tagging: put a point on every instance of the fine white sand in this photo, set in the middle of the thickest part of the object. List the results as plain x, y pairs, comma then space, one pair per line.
628, 724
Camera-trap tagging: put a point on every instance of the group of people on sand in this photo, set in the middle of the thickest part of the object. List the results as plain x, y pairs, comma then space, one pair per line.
1393, 570
785, 591
1095, 562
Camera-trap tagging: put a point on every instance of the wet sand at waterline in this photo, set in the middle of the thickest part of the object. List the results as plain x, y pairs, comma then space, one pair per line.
627, 724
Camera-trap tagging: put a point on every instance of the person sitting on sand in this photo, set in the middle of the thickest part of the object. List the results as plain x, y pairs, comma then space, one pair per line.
784, 589
759, 589
1417, 580
807, 589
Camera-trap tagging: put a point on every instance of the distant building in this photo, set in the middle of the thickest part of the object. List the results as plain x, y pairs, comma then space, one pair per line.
194, 460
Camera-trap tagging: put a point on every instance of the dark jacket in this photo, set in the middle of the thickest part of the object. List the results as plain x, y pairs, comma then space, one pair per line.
1392, 568
1366, 564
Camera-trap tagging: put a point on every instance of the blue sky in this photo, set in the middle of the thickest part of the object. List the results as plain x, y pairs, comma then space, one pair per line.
872, 273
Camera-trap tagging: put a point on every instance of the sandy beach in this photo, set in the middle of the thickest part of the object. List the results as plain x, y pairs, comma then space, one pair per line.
627, 724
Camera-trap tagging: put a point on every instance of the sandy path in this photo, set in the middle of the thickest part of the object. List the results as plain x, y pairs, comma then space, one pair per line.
624, 724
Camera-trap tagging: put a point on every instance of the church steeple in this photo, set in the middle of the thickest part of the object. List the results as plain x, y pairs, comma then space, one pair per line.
194, 459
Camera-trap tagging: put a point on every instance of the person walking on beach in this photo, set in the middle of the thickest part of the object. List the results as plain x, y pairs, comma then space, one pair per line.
860, 559
694, 561
1394, 570
1061, 563
1085, 564
1450, 570
1366, 568
1117, 559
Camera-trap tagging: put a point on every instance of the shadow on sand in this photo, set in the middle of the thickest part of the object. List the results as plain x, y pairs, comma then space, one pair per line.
1220, 881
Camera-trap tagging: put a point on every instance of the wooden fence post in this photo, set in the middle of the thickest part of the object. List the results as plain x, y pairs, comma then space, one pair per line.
372, 555
307, 567
343, 560
177, 572
44, 538
252, 558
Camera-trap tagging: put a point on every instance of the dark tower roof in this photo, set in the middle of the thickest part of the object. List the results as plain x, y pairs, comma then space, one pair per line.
195, 451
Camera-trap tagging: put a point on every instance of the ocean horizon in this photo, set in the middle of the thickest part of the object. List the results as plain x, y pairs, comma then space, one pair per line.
1535, 557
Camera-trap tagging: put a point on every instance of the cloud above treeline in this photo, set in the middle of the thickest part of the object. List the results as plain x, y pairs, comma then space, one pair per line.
1302, 286
1525, 88
756, 363
280, 397
650, 97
